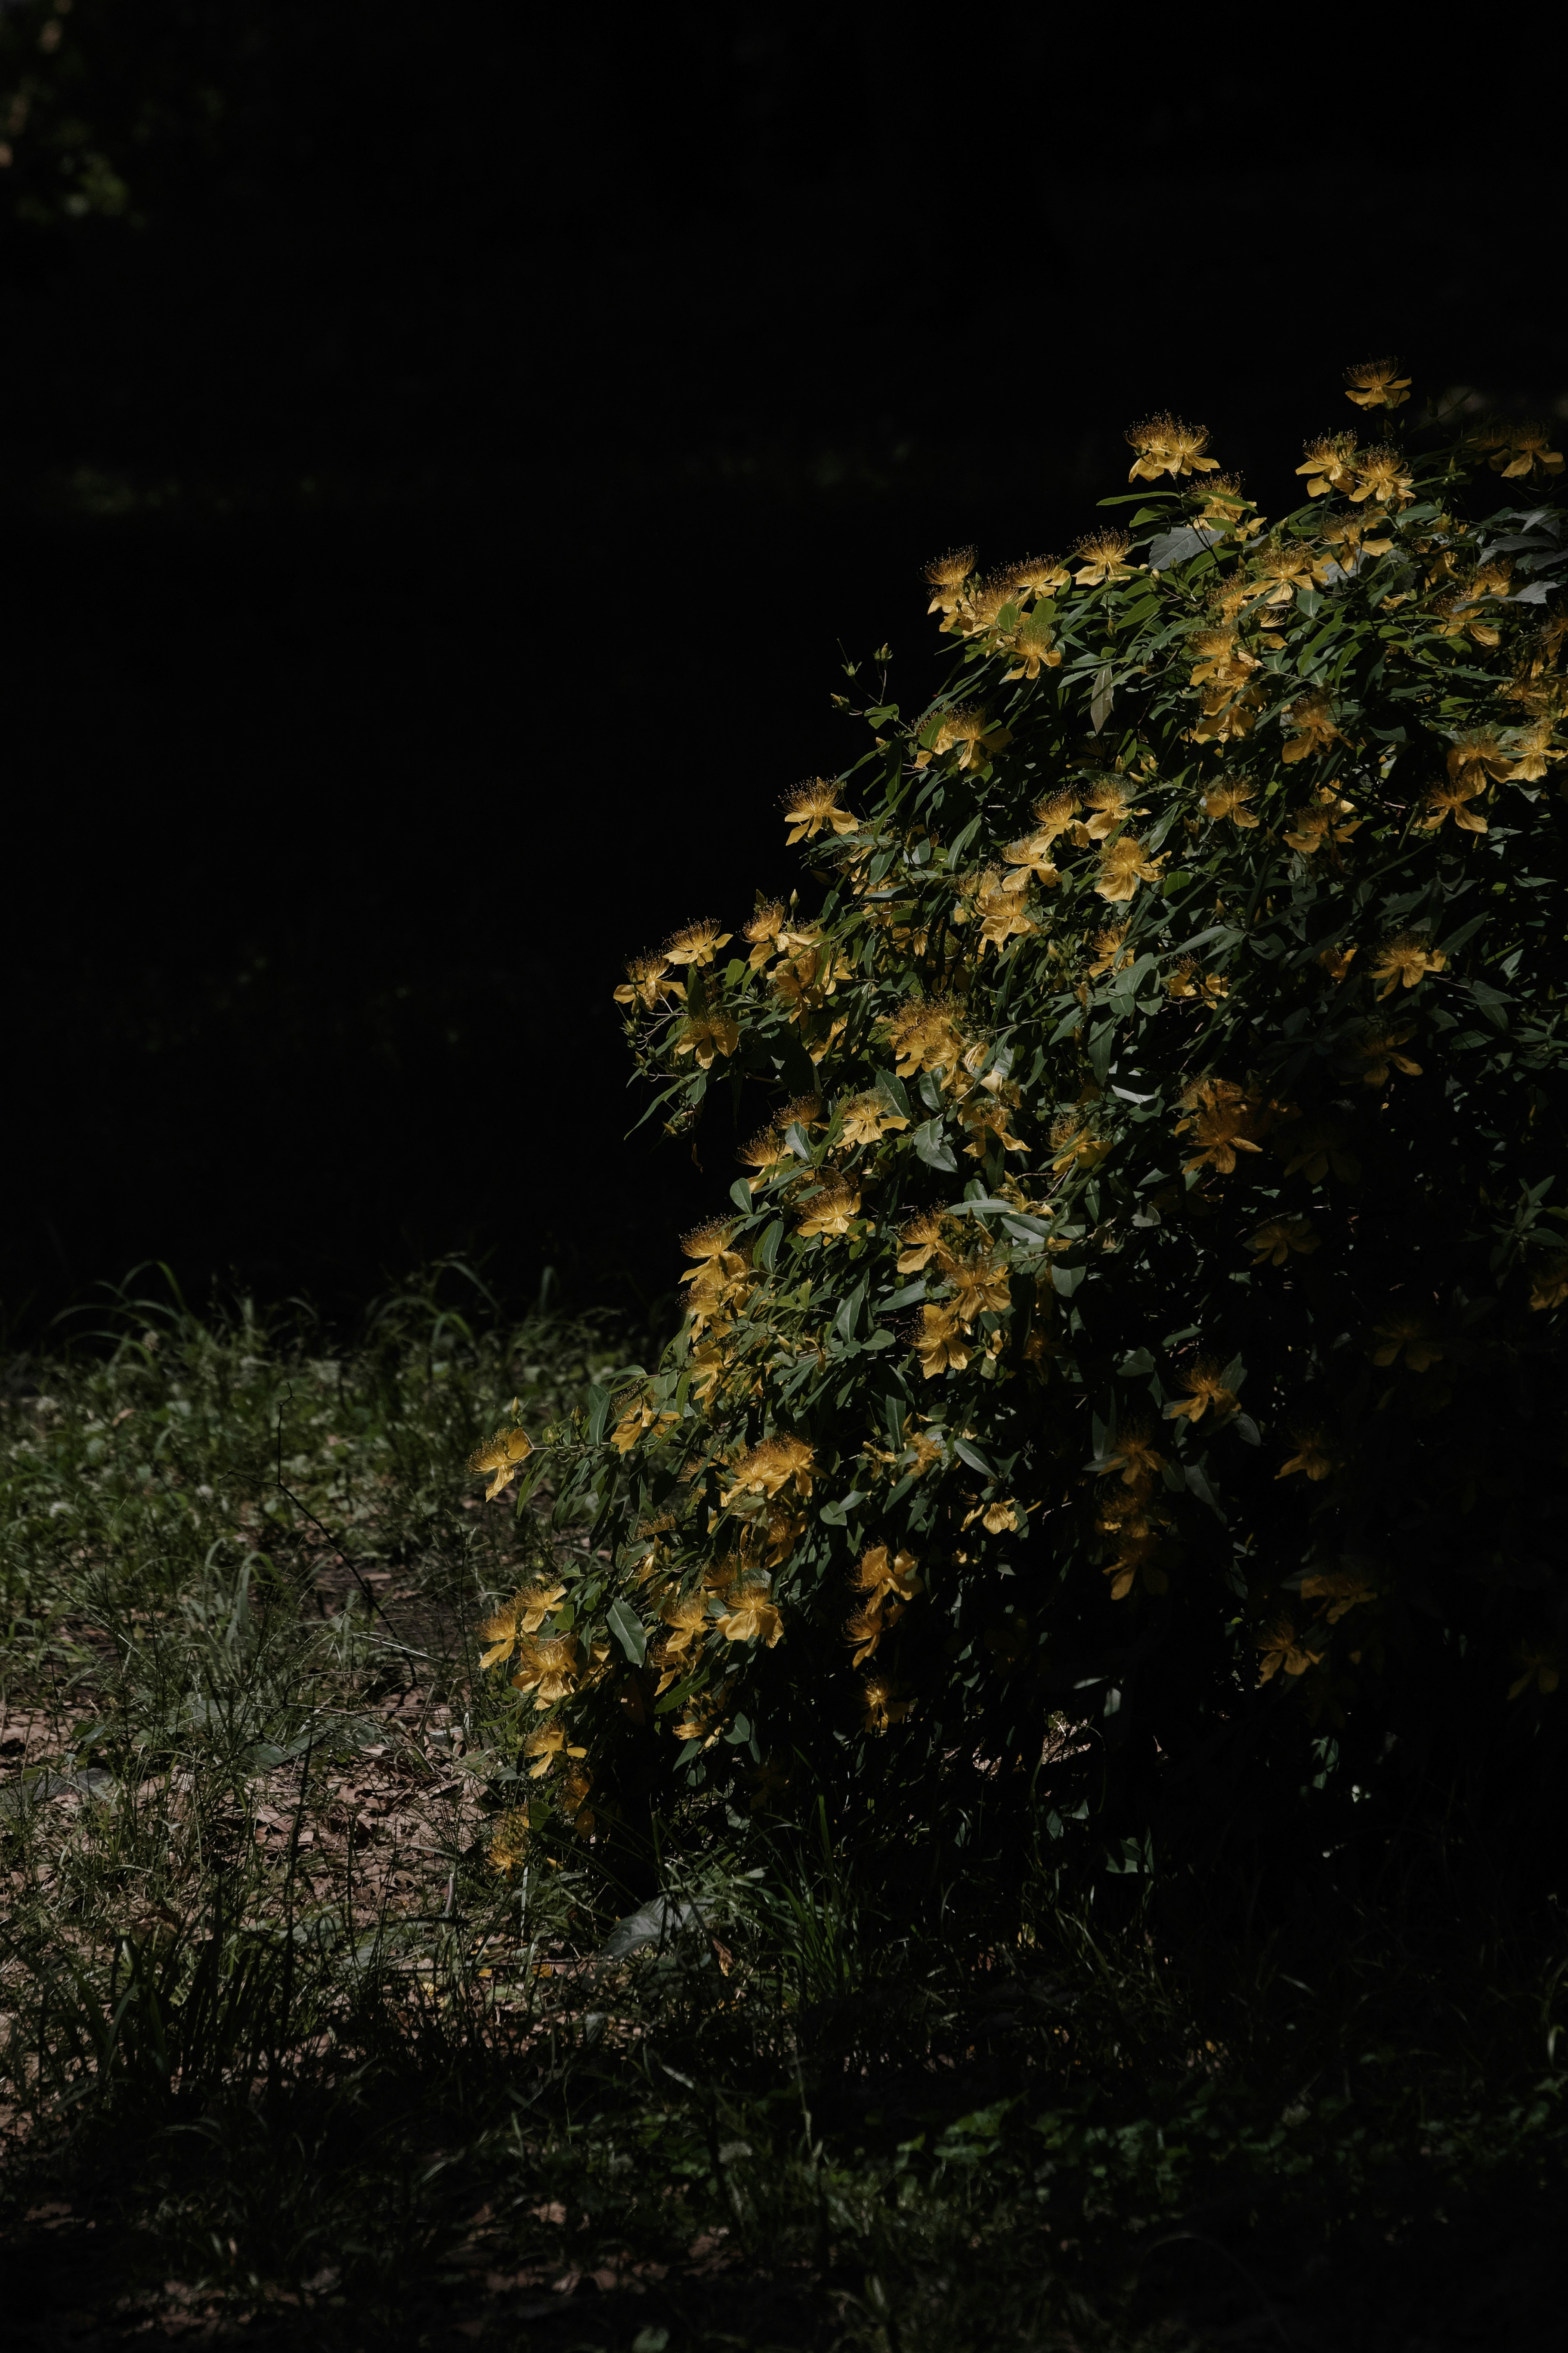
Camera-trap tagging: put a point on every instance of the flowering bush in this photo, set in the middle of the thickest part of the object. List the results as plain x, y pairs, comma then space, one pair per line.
1136, 1333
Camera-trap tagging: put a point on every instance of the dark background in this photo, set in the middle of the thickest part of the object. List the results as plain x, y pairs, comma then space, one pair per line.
440, 475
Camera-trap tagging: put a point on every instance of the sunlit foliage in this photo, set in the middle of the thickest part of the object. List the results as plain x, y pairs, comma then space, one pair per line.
1142, 1301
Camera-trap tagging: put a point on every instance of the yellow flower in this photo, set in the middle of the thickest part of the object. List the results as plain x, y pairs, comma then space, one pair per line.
1134, 1454
1476, 754
869, 1117
1166, 445
1032, 856
549, 1669
1314, 1149
1228, 717
762, 931
1135, 1557
1226, 505
987, 1113
1377, 383
1312, 718
1283, 569
647, 981
883, 1708
505, 1628
1326, 818
813, 805
803, 982
980, 1284
1109, 953
1377, 1048
1541, 1666
1281, 1647
499, 1458
716, 1287
1549, 1282
1220, 1117
1409, 1335
1352, 536
545, 1746
1525, 449
572, 1793
1343, 1590
1204, 1387
1229, 797
1034, 648
923, 1036
1219, 660
765, 1152
1381, 475
945, 576
919, 1241
707, 1034
1074, 1146
1313, 1456
1125, 865
1188, 980
1450, 800
863, 1629
1111, 800
1452, 616
508, 1849
1103, 554
830, 1208
940, 1346
1533, 748
770, 1466
925, 1448
979, 607
894, 1578
1406, 957
687, 1617
1493, 579
967, 731
889, 1586
639, 1418
1000, 1518
1278, 1237
708, 1240
1001, 912
1330, 462
703, 1720
753, 1619
1053, 815
697, 944
1041, 575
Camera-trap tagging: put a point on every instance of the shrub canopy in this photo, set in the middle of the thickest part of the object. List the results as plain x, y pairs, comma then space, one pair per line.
1136, 1334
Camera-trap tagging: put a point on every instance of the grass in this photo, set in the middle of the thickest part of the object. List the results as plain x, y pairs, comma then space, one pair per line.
283, 2058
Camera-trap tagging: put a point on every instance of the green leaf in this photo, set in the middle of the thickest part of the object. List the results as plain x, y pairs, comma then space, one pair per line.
1178, 546
628, 1630
1491, 1002
932, 1150
893, 1088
